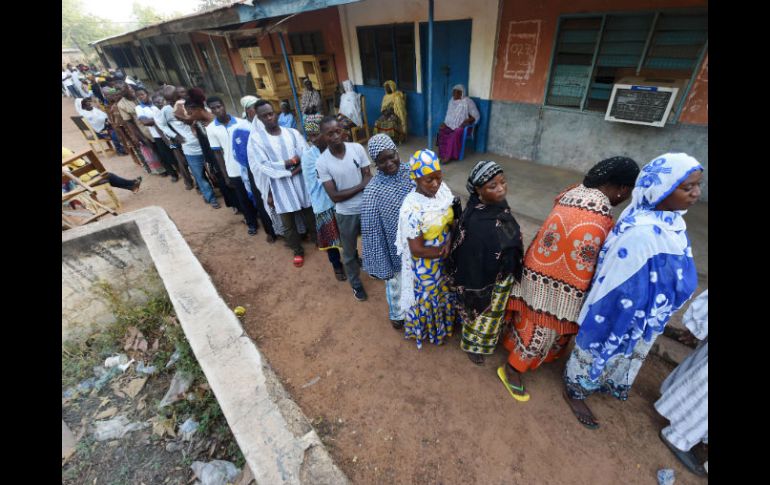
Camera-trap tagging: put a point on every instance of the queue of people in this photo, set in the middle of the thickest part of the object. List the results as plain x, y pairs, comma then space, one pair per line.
612, 286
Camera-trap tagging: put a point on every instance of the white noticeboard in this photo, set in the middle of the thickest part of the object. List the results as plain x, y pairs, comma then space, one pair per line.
640, 104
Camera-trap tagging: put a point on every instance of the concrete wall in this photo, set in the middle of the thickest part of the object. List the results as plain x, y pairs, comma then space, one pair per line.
696, 108
576, 140
522, 128
277, 441
117, 256
526, 39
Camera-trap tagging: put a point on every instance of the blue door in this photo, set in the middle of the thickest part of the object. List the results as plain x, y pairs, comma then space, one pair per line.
451, 64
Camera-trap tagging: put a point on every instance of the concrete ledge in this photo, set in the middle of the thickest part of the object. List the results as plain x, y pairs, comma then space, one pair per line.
276, 439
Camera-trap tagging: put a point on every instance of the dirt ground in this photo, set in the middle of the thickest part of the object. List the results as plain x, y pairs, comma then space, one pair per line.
391, 414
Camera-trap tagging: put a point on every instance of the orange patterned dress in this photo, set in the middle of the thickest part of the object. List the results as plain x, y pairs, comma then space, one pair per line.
558, 268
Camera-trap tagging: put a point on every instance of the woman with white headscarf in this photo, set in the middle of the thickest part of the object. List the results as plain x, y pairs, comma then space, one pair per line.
645, 273
349, 115
460, 113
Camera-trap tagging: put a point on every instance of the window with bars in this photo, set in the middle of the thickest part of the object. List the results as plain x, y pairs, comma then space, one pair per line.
594, 52
153, 56
387, 53
189, 57
130, 58
306, 43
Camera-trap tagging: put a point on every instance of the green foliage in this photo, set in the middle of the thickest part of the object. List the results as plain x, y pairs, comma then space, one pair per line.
79, 28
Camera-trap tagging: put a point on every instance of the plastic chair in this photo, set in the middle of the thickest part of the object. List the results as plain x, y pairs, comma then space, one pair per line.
468, 133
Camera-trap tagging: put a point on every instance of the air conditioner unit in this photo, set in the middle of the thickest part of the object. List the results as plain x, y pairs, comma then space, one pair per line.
643, 101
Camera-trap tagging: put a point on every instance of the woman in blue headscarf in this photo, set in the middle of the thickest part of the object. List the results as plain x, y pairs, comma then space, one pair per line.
644, 274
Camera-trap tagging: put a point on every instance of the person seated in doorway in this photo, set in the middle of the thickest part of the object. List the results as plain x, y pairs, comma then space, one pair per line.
392, 120
460, 113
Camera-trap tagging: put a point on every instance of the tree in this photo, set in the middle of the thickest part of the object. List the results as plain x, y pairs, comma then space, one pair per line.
204, 5
78, 28
148, 15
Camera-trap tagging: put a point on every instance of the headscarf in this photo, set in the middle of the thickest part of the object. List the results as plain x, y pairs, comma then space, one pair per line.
313, 123
487, 246
397, 101
645, 271
459, 109
422, 163
350, 103
96, 117
248, 101
482, 173
379, 143
616, 170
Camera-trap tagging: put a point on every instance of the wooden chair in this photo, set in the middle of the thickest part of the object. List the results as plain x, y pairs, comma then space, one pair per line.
357, 131
92, 174
89, 134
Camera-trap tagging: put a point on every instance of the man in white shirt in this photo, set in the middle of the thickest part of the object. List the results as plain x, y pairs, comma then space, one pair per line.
66, 79
190, 146
343, 169
78, 83
145, 115
220, 133
274, 152
167, 137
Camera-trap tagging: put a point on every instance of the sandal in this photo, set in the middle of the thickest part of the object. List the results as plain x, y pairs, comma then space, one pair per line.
519, 397
299, 261
687, 458
397, 324
270, 238
587, 420
137, 183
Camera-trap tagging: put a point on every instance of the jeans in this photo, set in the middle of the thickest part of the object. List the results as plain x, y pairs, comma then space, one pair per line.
115, 140
350, 229
393, 295
74, 92
244, 203
291, 234
196, 167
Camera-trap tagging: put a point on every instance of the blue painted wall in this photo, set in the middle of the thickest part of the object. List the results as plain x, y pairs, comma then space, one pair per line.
415, 107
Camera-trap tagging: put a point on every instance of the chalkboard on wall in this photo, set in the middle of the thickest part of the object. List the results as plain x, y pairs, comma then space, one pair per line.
641, 105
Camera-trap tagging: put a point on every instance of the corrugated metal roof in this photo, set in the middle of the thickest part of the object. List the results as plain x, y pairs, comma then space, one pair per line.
262, 9
183, 17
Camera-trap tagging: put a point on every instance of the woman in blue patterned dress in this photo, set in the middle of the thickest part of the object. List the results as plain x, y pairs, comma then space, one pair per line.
423, 240
644, 274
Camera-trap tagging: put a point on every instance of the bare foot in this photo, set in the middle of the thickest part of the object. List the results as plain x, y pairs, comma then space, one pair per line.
477, 359
582, 413
514, 378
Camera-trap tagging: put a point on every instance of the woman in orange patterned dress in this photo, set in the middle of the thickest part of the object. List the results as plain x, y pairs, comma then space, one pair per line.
558, 268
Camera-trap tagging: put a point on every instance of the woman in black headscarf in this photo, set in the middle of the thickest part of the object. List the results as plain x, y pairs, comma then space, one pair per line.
485, 260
